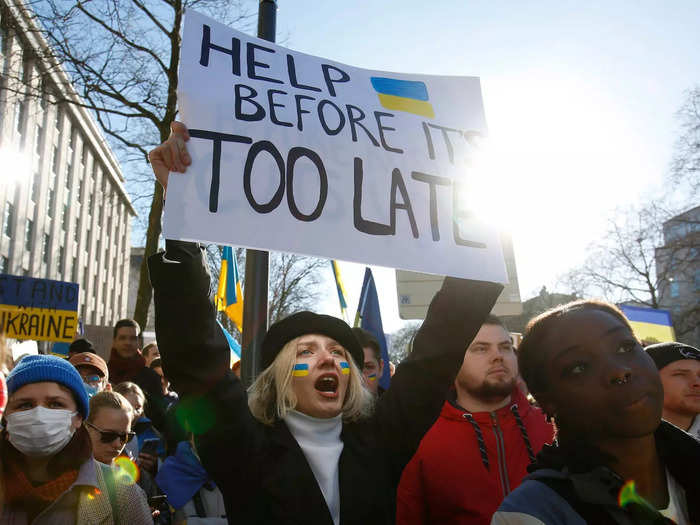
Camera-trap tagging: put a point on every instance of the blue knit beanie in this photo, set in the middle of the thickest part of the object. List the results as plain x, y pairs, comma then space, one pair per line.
39, 368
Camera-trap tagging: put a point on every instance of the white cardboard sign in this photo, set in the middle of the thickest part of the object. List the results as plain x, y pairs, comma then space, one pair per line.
297, 153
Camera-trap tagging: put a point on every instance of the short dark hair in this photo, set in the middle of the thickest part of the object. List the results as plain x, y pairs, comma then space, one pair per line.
495, 320
156, 363
367, 340
81, 345
126, 322
530, 358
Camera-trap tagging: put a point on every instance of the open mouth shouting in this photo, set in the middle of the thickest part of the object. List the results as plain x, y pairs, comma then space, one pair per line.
327, 385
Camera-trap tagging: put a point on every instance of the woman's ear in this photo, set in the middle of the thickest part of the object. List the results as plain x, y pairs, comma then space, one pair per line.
77, 421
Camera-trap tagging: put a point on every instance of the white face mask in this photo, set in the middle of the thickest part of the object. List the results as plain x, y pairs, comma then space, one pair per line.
41, 431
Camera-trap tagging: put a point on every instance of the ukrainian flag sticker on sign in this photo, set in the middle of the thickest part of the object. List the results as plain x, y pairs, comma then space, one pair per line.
409, 96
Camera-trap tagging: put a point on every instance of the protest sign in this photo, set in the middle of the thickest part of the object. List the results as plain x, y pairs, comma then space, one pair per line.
38, 309
298, 153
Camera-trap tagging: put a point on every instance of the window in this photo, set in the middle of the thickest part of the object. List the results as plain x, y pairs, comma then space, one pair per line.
54, 160
61, 259
36, 180
19, 118
28, 234
76, 232
8, 219
38, 137
4, 264
74, 269
64, 217
45, 250
52, 202
81, 185
675, 289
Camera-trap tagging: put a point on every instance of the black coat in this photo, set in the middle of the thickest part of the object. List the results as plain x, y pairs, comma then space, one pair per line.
260, 469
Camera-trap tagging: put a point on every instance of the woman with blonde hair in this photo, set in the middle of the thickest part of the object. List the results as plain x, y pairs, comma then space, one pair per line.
303, 445
109, 425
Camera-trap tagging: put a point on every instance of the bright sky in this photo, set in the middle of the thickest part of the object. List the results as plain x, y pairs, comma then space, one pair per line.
580, 99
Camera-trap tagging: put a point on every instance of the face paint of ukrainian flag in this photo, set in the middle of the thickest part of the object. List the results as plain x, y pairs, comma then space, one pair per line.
372, 377
344, 368
300, 370
410, 96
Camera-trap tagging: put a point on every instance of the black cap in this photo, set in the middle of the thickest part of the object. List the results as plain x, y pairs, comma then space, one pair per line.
303, 323
81, 345
666, 353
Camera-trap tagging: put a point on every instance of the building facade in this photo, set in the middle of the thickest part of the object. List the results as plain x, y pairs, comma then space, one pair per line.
64, 209
678, 269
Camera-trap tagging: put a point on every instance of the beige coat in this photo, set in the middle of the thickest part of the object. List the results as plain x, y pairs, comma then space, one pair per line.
87, 502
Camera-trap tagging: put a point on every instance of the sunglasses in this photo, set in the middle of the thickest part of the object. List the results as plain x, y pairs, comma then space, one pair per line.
107, 436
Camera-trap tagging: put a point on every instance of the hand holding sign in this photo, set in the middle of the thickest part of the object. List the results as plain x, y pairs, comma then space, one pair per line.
171, 155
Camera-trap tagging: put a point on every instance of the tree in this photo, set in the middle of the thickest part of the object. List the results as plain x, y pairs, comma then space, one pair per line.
620, 266
122, 57
295, 282
401, 341
638, 260
685, 169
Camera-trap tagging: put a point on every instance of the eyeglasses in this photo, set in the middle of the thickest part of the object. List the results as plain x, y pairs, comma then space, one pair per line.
107, 436
91, 379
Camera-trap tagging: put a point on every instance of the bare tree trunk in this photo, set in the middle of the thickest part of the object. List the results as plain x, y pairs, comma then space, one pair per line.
145, 291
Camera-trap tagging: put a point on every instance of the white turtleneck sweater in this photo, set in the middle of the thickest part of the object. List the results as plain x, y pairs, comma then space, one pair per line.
319, 439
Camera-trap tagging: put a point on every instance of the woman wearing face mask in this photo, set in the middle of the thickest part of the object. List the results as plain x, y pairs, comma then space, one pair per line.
50, 476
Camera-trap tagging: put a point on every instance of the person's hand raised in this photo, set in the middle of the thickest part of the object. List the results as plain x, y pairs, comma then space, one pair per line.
171, 155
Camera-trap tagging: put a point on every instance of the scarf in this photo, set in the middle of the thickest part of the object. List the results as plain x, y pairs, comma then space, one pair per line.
122, 369
181, 476
20, 492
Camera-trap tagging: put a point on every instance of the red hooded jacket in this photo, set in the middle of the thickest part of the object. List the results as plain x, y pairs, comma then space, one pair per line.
458, 477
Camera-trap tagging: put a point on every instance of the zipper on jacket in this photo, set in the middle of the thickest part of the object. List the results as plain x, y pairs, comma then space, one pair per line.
500, 446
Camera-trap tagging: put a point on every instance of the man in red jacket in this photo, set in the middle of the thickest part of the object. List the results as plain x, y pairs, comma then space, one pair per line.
479, 448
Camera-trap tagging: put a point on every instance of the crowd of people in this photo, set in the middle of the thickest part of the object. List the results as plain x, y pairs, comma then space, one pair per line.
577, 424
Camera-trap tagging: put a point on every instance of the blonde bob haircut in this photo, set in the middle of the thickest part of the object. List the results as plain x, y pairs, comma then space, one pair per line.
107, 399
271, 396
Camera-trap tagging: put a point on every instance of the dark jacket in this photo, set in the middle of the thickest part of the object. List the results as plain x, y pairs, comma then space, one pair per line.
260, 469
560, 491
469, 461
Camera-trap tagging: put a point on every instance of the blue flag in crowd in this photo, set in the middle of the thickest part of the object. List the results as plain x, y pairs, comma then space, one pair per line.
369, 318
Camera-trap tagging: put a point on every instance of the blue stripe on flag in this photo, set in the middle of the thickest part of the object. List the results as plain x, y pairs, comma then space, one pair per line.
400, 88
231, 276
371, 320
646, 315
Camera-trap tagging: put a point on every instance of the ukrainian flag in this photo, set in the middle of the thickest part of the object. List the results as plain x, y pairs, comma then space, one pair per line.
410, 96
649, 323
229, 296
341, 290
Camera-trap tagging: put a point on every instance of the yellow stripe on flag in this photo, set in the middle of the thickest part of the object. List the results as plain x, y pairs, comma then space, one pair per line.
418, 107
661, 333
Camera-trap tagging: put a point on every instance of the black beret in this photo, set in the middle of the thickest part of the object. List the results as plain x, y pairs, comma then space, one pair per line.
666, 353
302, 323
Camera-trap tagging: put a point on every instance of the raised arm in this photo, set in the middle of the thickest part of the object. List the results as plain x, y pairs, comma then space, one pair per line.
195, 353
419, 388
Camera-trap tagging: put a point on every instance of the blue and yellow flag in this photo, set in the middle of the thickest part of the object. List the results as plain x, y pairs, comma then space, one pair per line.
650, 323
369, 317
341, 290
229, 296
410, 96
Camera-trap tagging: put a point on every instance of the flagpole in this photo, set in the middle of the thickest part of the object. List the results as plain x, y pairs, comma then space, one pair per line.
256, 262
